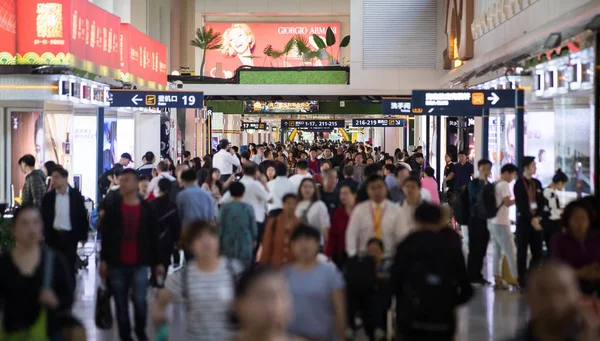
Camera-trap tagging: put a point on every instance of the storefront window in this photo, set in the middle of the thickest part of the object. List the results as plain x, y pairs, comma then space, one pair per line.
26, 137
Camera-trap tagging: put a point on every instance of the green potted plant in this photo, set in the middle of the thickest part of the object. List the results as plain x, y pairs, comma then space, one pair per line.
329, 42
206, 39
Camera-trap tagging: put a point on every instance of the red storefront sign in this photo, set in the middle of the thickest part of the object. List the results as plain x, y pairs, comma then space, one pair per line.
43, 32
8, 30
143, 60
83, 35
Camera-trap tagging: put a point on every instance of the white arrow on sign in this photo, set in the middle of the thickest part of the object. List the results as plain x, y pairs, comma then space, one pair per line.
493, 98
136, 100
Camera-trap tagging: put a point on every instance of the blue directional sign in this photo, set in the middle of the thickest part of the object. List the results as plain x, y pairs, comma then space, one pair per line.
463, 102
156, 99
396, 106
378, 122
312, 124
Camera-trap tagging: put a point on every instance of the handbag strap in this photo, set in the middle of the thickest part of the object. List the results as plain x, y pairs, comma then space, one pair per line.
48, 272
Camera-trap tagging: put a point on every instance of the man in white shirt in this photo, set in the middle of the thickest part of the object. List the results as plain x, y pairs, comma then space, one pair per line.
377, 217
255, 195
302, 172
65, 218
499, 227
279, 187
163, 173
224, 160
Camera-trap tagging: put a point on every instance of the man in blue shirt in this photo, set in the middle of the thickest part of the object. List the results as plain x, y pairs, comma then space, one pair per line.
194, 203
463, 172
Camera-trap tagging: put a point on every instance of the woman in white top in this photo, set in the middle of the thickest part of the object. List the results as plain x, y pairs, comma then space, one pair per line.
311, 210
554, 207
413, 198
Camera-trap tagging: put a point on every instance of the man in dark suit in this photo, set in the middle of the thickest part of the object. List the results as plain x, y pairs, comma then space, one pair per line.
65, 217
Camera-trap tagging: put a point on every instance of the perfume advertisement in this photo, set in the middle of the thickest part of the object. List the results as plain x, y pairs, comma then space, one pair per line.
84, 153
110, 143
57, 139
126, 138
539, 143
26, 137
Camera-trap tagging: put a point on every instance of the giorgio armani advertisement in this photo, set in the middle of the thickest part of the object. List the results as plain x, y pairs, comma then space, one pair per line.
250, 43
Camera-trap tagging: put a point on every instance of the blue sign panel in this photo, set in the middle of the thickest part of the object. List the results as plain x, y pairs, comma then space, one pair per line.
313, 124
378, 122
396, 106
460, 102
156, 99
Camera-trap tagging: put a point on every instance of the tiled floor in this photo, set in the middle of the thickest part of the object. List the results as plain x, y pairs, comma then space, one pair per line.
489, 316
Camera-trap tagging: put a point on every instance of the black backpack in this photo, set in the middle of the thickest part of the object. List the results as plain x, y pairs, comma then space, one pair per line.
462, 207
360, 274
430, 293
487, 208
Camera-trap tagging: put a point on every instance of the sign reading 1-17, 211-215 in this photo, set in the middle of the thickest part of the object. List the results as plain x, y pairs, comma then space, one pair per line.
312, 124
457, 101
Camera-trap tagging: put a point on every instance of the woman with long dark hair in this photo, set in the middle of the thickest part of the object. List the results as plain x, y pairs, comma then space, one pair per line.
36, 283
204, 171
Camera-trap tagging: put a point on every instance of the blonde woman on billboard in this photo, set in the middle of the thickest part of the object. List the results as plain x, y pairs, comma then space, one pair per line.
238, 40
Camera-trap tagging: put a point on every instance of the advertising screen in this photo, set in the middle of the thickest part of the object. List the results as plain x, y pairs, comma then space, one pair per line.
281, 107
84, 153
246, 44
26, 137
8, 30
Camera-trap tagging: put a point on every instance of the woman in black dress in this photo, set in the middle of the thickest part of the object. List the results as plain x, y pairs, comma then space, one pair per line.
31, 287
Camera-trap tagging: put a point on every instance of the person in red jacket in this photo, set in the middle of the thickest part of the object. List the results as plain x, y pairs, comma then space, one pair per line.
336, 245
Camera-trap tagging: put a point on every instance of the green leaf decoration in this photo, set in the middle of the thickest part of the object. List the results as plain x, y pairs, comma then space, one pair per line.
320, 43
345, 42
330, 37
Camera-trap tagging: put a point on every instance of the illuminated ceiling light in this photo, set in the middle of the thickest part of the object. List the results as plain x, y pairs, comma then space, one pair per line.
175, 73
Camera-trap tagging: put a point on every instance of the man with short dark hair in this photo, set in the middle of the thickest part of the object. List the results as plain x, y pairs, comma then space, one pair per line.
225, 161
163, 173
35, 182
65, 218
499, 227
348, 179
389, 171
260, 155
463, 171
148, 165
193, 202
416, 162
314, 164
529, 200
255, 195
279, 187
479, 235
302, 172
130, 244
104, 181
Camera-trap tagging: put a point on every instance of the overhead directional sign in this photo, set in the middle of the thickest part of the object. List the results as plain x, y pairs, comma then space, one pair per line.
156, 99
461, 102
379, 122
396, 106
254, 125
312, 124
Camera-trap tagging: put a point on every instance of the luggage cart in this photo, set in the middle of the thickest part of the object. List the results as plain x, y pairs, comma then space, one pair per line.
85, 251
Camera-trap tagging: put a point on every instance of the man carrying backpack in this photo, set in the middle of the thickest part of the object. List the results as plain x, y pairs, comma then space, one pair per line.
499, 226
479, 236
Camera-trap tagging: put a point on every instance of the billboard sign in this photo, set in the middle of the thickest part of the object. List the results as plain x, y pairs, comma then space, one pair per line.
246, 43
281, 107
8, 32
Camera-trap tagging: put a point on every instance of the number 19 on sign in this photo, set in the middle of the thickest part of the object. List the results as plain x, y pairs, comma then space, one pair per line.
189, 100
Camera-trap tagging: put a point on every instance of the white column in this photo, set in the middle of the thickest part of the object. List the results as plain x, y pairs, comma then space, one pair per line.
392, 139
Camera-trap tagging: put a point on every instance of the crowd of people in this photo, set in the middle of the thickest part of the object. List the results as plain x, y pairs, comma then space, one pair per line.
299, 241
